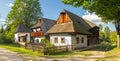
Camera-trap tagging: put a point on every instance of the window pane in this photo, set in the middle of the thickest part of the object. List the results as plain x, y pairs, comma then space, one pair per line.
62, 40
77, 40
82, 40
56, 40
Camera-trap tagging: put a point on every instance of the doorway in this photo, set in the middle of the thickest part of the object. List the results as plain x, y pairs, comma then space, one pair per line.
88, 42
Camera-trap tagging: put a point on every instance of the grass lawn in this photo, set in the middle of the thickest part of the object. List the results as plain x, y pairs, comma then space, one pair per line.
105, 49
110, 51
82, 54
20, 50
114, 53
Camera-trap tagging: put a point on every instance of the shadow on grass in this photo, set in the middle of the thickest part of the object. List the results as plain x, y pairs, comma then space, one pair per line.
60, 55
105, 46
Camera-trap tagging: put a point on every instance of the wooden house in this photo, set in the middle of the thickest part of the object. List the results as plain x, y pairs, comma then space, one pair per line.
40, 28
22, 34
73, 31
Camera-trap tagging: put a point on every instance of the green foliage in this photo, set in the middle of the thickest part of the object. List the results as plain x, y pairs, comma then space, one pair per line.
23, 12
1, 29
107, 34
113, 37
47, 43
100, 27
105, 46
108, 10
102, 35
3, 38
44, 41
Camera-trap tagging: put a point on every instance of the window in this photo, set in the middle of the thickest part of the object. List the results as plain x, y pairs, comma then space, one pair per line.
82, 40
37, 40
62, 40
55, 40
77, 40
34, 30
38, 29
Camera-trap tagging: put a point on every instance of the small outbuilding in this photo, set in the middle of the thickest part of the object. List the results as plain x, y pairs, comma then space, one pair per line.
22, 34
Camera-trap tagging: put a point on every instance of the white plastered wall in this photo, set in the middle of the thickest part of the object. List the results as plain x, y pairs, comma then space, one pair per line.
80, 44
59, 36
17, 35
38, 38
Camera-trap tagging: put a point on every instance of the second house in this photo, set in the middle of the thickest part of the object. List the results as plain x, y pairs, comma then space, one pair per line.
40, 28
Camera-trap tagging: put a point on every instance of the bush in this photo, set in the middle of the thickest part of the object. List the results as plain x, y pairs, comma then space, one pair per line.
105, 46
4, 39
47, 43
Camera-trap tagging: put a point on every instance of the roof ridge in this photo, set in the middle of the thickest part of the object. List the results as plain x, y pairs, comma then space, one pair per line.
77, 18
90, 23
48, 19
43, 20
22, 28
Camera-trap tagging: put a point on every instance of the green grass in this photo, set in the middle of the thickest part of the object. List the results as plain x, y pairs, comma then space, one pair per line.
20, 50
110, 51
114, 53
60, 55
70, 54
103, 47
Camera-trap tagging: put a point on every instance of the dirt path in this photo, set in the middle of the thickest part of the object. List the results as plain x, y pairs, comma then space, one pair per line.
6, 55
95, 55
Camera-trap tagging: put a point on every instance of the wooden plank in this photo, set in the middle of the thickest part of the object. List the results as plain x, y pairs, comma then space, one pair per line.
63, 18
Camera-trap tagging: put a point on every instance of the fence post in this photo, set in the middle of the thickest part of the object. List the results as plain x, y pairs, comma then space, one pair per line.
44, 51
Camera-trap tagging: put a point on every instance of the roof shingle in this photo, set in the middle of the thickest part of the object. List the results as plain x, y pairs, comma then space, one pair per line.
22, 28
78, 25
45, 24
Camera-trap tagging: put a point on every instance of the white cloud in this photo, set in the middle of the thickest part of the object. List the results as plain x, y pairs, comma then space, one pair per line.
2, 22
10, 4
97, 20
93, 18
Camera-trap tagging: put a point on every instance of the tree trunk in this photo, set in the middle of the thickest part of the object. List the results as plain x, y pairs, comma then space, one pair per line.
118, 40
117, 25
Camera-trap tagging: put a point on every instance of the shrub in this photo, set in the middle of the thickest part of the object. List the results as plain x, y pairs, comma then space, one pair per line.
4, 39
105, 46
47, 43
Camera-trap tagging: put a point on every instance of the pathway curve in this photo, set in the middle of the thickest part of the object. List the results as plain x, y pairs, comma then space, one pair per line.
6, 55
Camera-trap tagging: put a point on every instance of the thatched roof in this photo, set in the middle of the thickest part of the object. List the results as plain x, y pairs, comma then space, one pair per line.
45, 24
77, 25
22, 28
90, 23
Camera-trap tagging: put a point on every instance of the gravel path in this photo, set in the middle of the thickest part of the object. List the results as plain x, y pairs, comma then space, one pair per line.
6, 55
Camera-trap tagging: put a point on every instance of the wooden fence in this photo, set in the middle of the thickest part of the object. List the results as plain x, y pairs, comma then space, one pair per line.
53, 50
47, 50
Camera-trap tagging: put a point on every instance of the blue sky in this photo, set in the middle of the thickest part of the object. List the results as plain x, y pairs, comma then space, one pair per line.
51, 9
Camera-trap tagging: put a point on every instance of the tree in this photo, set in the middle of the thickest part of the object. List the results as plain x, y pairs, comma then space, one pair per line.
113, 36
23, 12
100, 27
107, 34
1, 29
101, 33
108, 10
